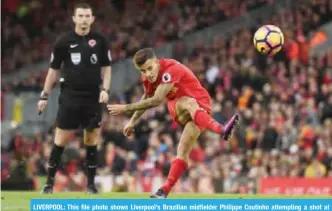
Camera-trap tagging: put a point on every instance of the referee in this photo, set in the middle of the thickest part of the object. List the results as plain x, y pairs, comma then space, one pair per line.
85, 82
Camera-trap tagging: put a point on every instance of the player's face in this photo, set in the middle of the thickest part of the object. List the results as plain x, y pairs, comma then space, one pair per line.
83, 18
150, 69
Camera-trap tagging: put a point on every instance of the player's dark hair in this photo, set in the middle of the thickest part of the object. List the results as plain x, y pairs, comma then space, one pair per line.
142, 55
82, 5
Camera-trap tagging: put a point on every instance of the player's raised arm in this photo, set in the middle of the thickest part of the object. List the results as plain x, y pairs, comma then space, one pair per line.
156, 100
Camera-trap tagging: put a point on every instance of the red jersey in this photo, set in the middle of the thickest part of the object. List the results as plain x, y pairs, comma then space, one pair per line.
184, 80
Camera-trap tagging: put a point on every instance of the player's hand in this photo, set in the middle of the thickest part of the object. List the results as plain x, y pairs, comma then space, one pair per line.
103, 97
116, 109
128, 129
41, 106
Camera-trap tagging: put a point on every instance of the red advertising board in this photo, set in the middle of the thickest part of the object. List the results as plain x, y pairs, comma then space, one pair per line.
296, 186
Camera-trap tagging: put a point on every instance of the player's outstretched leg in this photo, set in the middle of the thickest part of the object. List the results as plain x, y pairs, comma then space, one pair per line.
204, 120
61, 137
187, 141
90, 141
229, 126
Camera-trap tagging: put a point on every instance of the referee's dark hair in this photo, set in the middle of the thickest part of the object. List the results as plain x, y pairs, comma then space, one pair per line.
82, 5
143, 55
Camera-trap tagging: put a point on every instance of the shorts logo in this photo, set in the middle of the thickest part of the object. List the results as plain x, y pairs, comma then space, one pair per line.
166, 77
75, 58
93, 59
92, 43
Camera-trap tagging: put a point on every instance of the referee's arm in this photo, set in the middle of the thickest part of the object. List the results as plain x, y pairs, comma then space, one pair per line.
106, 70
106, 74
55, 64
50, 80
57, 57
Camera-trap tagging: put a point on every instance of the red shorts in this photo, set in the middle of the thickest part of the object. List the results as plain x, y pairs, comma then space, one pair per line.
203, 102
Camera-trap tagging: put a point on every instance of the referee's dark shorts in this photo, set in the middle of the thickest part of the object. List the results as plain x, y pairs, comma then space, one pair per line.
78, 112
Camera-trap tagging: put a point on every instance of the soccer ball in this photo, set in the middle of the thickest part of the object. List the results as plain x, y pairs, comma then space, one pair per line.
268, 40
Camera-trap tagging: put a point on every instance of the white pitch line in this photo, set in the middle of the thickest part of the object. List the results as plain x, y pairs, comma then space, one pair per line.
14, 208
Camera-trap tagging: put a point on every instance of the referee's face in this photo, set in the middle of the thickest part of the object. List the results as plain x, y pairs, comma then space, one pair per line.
83, 18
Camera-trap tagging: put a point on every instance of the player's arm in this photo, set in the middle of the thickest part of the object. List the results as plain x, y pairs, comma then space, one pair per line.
138, 113
168, 80
158, 98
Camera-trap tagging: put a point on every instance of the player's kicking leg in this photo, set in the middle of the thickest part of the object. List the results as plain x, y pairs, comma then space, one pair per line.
60, 140
204, 120
187, 141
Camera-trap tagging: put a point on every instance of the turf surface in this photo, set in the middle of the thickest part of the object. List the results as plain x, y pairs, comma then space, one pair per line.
20, 201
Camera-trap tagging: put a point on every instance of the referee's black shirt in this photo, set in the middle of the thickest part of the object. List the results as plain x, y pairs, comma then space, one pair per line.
82, 58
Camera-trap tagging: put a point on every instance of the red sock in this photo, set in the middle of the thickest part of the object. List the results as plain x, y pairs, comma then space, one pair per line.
204, 121
177, 169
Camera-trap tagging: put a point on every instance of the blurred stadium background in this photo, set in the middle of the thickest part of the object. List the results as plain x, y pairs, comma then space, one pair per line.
282, 146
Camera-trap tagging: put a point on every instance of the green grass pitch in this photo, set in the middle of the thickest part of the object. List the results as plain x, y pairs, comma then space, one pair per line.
20, 201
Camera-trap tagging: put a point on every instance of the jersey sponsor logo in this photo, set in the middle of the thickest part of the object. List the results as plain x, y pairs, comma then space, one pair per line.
52, 57
73, 46
166, 77
75, 58
93, 58
172, 92
92, 43
109, 55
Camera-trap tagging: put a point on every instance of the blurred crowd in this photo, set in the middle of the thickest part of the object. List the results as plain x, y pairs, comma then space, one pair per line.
286, 127
130, 25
